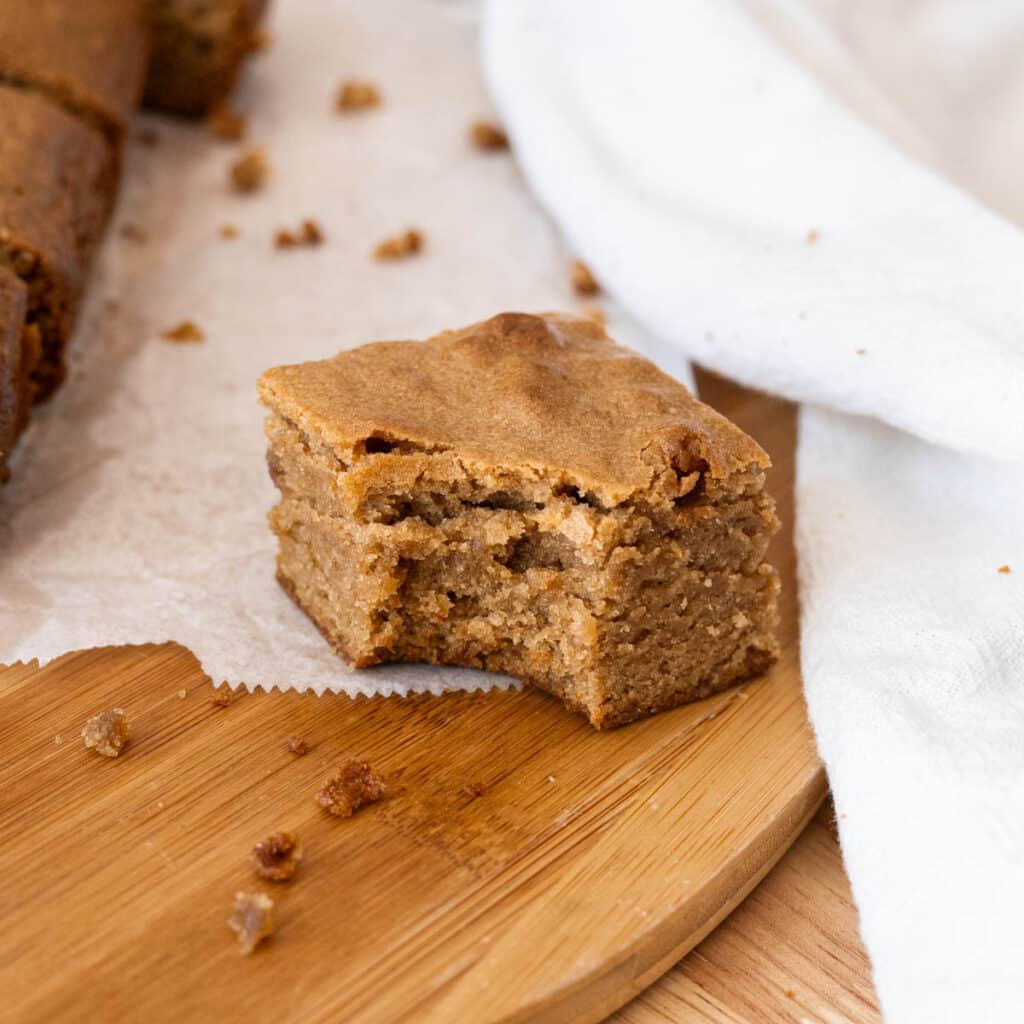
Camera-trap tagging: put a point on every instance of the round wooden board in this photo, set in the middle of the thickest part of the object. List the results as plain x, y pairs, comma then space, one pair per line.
590, 864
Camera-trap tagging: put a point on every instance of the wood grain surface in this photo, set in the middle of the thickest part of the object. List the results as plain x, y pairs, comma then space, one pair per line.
589, 865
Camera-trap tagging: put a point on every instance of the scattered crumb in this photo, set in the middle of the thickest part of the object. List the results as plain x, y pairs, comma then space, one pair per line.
186, 332
298, 746
134, 233
812, 236
223, 697
474, 790
277, 857
790, 994
1005, 569
260, 40
249, 172
148, 137
582, 279
357, 94
182, 694
310, 234
252, 919
58, 739
487, 135
551, 778
400, 246
107, 732
597, 315
862, 351
228, 231
226, 123
354, 785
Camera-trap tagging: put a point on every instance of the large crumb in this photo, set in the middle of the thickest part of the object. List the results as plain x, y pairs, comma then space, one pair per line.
249, 172
252, 919
223, 697
408, 243
356, 94
1004, 569
225, 123
354, 785
487, 135
277, 857
309, 234
185, 332
583, 279
107, 732
298, 746
474, 790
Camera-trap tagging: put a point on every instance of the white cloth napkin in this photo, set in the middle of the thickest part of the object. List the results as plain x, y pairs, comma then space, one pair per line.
780, 190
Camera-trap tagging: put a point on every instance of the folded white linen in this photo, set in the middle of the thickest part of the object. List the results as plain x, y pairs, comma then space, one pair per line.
722, 167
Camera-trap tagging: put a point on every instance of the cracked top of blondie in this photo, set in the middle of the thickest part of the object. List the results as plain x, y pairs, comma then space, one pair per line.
549, 394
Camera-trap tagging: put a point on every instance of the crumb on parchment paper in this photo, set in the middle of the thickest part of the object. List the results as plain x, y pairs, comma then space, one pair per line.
186, 332
488, 136
250, 171
398, 247
309, 234
356, 94
583, 279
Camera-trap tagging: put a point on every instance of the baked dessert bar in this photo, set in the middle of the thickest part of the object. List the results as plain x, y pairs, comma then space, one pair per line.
524, 496
57, 182
14, 384
88, 56
198, 48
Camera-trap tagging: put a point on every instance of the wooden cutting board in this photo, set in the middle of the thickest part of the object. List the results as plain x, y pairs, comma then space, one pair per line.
590, 864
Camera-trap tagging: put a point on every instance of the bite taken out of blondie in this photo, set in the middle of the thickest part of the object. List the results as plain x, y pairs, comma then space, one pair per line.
524, 496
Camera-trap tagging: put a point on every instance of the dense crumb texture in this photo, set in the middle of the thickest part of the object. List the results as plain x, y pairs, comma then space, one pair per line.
88, 56
198, 48
249, 172
276, 857
57, 183
107, 733
15, 353
353, 786
356, 95
524, 496
399, 247
252, 920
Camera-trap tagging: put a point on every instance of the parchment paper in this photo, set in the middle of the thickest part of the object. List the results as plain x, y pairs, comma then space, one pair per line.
137, 509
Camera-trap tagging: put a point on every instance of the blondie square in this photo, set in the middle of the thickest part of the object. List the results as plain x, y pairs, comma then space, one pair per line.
57, 182
88, 56
198, 48
14, 385
524, 496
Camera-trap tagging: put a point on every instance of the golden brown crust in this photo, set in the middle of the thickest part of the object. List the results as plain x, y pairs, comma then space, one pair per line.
552, 394
89, 56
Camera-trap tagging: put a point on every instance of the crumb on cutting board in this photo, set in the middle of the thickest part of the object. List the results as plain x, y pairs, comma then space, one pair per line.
276, 857
298, 746
107, 733
353, 786
252, 919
